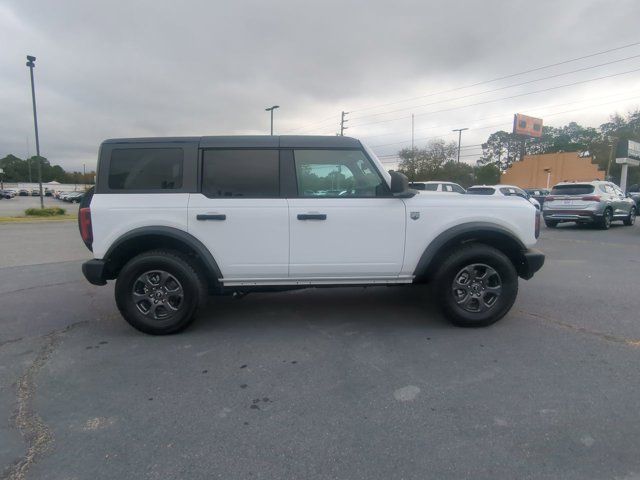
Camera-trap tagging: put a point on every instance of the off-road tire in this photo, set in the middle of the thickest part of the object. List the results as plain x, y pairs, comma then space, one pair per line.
184, 273
463, 257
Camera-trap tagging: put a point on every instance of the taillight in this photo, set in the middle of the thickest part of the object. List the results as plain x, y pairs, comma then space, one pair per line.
591, 198
537, 227
86, 232
549, 198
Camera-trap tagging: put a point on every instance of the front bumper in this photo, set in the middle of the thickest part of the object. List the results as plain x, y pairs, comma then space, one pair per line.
532, 261
93, 271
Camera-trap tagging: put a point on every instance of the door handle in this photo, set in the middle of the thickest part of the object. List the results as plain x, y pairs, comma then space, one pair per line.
312, 216
211, 216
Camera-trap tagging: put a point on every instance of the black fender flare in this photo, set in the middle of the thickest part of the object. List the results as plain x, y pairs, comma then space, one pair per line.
484, 232
209, 263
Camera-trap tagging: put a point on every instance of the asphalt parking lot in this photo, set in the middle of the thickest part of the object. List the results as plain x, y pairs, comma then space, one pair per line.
16, 206
329, 383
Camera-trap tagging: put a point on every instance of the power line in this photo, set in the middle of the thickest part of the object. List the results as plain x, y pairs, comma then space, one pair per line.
504, 77
534, 109
504, 98
498, 88
484, 127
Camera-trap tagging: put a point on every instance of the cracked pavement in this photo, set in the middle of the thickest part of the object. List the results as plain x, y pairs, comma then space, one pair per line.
330, 383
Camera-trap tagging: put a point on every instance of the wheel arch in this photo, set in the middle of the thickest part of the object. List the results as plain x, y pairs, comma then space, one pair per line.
493, 235
144, 239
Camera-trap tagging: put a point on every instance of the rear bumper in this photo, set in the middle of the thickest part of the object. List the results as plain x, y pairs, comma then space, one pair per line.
586, 216
93, 271
532, 261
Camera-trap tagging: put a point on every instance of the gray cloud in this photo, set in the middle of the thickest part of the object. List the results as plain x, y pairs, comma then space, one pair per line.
127, 68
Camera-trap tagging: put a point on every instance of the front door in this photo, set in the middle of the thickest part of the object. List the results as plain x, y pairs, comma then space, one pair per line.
344, 222
239, 214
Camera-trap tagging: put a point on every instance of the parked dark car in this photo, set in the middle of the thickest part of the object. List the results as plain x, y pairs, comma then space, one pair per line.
634, 193
5, 194
23, 192
538, 193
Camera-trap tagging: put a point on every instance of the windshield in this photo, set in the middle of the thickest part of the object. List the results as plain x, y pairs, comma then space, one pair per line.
378, 163
572, 189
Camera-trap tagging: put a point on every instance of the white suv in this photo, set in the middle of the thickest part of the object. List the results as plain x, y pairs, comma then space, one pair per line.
175, 219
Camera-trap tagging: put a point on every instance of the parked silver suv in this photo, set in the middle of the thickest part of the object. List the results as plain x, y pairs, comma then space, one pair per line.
596, 202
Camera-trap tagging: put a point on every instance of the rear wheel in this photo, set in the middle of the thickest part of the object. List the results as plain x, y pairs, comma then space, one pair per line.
477, 285
607, 218
159, 292
551, 223
631, 219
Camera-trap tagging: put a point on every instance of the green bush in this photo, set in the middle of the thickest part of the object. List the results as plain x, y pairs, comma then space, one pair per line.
44, 212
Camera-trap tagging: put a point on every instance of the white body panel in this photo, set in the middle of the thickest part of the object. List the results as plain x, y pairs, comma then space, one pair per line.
360, 237
253, 240
440, 212
113, 215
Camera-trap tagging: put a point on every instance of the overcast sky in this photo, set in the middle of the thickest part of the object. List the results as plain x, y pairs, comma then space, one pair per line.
151, 68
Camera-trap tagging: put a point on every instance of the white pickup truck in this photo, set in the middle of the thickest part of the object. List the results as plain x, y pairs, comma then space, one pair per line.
174, 220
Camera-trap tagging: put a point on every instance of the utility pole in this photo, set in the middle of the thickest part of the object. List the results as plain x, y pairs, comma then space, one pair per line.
412, 132
271, 109
84, 176
31, 65
614, 144
343, 120
459, 130
28, 157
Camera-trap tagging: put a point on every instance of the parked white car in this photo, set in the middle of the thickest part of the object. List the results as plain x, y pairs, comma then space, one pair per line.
436, 186
503, 191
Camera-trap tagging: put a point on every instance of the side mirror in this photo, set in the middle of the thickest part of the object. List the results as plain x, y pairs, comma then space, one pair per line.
400, 185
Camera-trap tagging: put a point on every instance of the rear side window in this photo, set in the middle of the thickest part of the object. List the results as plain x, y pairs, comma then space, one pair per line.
241, 173
431, 187
572, 190
146, 169
480, 191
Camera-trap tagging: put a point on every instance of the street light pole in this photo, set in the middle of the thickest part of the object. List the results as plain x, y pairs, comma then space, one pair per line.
271, 109
30, 63
459, 130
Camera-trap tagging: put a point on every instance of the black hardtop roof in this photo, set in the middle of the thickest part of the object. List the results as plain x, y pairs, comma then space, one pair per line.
251, 141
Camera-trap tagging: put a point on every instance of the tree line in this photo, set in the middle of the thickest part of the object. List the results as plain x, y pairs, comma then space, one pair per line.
437, 160
26, 170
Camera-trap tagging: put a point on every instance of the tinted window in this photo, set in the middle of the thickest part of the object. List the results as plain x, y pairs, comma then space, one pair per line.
572, 189
146, 169
417, 186
481, 191
431, 187
336, 173
241, 173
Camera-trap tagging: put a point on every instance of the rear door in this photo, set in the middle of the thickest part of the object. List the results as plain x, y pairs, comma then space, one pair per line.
344, 221
239, 214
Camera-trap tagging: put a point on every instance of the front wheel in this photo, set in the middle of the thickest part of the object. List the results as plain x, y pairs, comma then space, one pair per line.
631, 219
477, 285
159, 292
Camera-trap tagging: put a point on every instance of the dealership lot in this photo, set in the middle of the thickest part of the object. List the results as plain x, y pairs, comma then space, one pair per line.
17, 205
326, 383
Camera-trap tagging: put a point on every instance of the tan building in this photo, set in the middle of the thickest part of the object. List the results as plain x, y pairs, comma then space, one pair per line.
538, 171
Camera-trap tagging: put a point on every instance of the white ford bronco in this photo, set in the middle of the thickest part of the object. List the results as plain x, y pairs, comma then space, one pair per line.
174, 220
